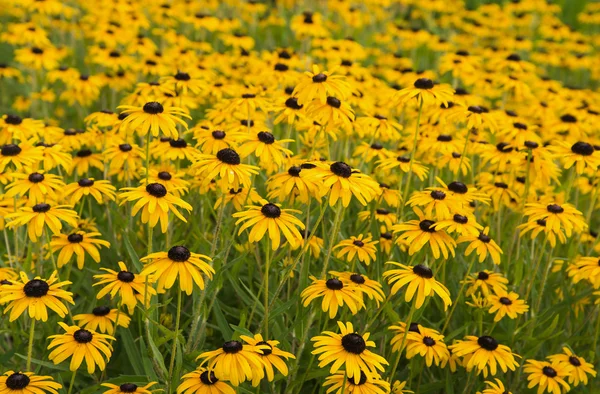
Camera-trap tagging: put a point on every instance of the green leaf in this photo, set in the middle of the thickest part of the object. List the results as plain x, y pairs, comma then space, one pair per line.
47, 364
222, 321
131, 251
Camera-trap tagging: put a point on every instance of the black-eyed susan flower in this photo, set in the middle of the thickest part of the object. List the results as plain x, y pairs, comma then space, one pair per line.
487, 282
131, 288
366, 383
318, 85
34, 296
369, 287
363, 247
19, 155
342, 182
100, 190
461, 224
154, 118
537, 227
331, 113
485, 353
581, 154
429, 345
419, 281
211, 141
399, 387
348, 350
79, 243
128, 388
434, 199
427, 91
27, 383
235, 362
381, 215
418, 233
335, 294
36, 186
156, 202
102, 319
580, 369
203, 381
483, 245
225, 166
293, 184
557, 216
405, 164
84, 160
496, 387
549, 377
40, 216
272, 219
264, 146
271, 356
503, 303
178, 264
80, 344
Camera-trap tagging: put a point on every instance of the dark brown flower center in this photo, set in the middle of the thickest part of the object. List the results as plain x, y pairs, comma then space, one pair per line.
125, 276
354, 343
101, 310
458, 187
357, 278
484, 238
427, 226
13, 119
128, 387
582, 148
555, 208
423, 271
438, 195
156, 190
294, 171
568, 118
232, 347
17, 381
361, 381
182, 76
264, 350
505, 301
75, 238
292, 103
549, 372
36, 288
319, 78
85, 182
460, 219
208, 378
271, 211
428, 341
218, 134
36, 177
228, 156
41, 208
265, 137
333, 102
423, 83
153, 108
574, 361
125, 148
179, 143
83, 336
10, 150
487, 342
341, 169
179, 254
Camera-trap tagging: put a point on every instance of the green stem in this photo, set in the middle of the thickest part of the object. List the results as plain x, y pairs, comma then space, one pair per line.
30, 346
406, 328
266, 291
460, 293
412, 159
336, 229
174, 347
72, 382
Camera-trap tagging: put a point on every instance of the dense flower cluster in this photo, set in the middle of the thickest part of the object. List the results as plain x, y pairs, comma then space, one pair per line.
363, 197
